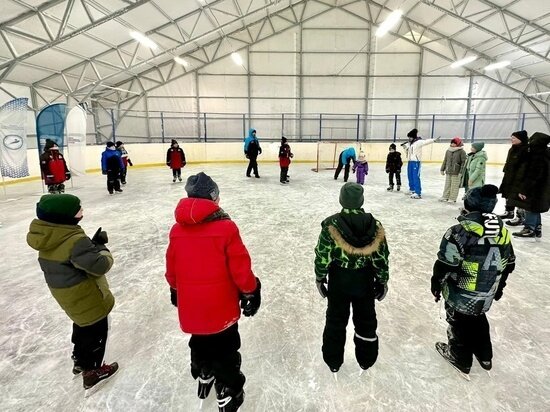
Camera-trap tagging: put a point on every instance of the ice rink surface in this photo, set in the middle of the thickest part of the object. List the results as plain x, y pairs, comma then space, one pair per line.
281, 345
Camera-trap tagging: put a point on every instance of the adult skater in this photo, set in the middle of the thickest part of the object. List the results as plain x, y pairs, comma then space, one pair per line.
534, 195
74, 268
209, 271
175, 160
54, 168
251, 150
125, 160
344, 160
285, 155
514, 174
414, 155
452, 167
474, 169
473, 263
393, 167
111, 165
351, 257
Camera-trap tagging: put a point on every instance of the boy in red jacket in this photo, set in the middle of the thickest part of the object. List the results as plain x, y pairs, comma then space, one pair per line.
175, 160
284, 160
209, 272
54, 168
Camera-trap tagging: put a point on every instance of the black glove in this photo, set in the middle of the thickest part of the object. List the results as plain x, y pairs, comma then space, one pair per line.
380, 290
68, 175
436, 287
250, 302
322, 287
501, 285
104, 172
174, 297
259, 150
100, 237
130, 162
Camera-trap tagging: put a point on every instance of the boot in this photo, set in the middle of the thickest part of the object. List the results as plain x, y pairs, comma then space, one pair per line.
525, 233
538, 231
174, 180
93, 377
228, 399
390, 188
398, 188
444, 351
206, 381
509, 214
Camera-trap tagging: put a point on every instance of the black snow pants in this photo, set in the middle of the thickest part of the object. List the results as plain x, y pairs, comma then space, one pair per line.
341, 295
218, 355
252, 165
113, 180
468, 335
89, 344
340, 166
397, 178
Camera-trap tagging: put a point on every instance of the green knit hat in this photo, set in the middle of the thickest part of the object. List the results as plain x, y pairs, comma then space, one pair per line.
58, 208
351, 196
478, 146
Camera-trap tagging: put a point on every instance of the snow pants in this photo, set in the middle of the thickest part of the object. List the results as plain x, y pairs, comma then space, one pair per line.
468, 335
397, 178
252, 166
360, 175
334, 335
341, 165
89, 344
452, 187
218, 355
413, 173
113, 181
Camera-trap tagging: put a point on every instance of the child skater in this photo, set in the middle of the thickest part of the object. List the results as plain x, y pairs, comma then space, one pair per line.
111, 165
473, 263
125, 161
54, 168
175, 159
393, 167
361, 168
284, 160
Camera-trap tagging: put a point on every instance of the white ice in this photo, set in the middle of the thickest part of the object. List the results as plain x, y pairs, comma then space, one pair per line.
281, 345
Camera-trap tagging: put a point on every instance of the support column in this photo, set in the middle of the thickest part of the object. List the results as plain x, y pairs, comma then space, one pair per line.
467, 131
198, 105
300, 83
248, 87
418, 87
147, 122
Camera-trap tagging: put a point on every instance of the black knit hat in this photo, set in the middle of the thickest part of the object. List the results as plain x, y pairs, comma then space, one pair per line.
110, 144
521, 135
60, 209
351, 196
174, 141
119, 143
202, 186
413, 133
49, 144
283, 139
393, 146
481, 199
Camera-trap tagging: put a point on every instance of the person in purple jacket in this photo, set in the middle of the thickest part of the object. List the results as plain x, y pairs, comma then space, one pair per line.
361, 168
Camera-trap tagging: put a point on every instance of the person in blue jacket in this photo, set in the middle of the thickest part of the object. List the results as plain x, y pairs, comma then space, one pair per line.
251, 150
111, 165
344, 160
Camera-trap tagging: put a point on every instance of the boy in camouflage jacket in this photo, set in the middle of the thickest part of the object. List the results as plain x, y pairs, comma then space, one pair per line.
351, 257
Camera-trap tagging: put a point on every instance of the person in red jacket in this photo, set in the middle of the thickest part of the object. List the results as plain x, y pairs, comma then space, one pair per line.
54, 168
209, 272
175, 159
284, 160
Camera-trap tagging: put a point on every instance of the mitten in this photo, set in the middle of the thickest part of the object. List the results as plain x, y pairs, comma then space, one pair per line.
322, 287
443, 173
501, 285
130, 162
100, 237
68, 175
250, 302
387, 170
168, 164
183, 164
380, 290
291, 155
259, 150
436, 287
174, 297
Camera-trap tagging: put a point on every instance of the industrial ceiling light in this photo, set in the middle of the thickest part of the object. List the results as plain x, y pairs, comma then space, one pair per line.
181, 61
237, 58
390, 22
143, 39
463, 61
498, 65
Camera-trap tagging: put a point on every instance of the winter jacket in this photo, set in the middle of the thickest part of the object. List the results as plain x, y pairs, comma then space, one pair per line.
348, 155
285, 155
252, 145
455, 160
74, 268
414, 149
352, 251
111, 161
175, 158
361, 167
474, 170
536, 184
394, 162
514, 171
54, 168
473, 256
124, 157
209, 266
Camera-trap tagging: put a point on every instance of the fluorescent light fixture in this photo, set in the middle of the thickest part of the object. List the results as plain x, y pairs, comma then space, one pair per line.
237, 58
498, 65
538, 94
463, 61
390, 22
181, 61
143, 39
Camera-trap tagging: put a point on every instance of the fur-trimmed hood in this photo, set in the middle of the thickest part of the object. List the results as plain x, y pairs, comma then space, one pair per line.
366, 250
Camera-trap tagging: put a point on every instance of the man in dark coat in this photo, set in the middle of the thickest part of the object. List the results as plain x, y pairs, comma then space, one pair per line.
534, 194
514, 173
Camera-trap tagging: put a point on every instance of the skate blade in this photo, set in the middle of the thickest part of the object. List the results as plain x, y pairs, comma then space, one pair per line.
335, 376
97, 386
462, 374
201, 402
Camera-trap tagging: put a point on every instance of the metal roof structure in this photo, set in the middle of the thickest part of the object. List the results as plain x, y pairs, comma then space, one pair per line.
83, 48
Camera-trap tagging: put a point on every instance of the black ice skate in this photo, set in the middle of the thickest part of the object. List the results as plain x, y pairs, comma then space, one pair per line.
538, 231
487, 365
77, 369
174, 180
179, 178
228, 400
525, 233
390, 188
507, 215
92, 379
443, 350
206, 381
398, 188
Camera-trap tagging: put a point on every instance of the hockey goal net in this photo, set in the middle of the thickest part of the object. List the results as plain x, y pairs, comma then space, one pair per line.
329, 152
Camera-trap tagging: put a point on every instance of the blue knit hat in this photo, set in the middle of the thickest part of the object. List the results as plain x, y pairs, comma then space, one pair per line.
481, 199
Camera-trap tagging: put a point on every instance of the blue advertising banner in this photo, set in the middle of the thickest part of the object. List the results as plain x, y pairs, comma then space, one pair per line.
50, 124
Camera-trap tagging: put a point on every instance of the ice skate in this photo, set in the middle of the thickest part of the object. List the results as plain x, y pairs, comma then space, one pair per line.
390, 188
487, 365
228, 400
525, 233
205, 385
443, 200
174, 180
398, 188
77, 369
443, 350
179, 178
507, 215
416, 196
118, 190
538, 232
94, 379
284, 182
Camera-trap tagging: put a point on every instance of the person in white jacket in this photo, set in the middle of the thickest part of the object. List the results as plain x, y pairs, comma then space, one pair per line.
414, 156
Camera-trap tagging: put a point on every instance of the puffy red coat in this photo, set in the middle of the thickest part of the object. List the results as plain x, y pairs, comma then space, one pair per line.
54, 168
209, 266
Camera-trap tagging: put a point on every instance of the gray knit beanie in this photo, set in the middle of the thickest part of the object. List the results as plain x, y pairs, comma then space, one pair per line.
202, 186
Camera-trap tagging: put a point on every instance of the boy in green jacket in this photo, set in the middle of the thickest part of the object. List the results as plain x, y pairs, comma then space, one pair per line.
74, 267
